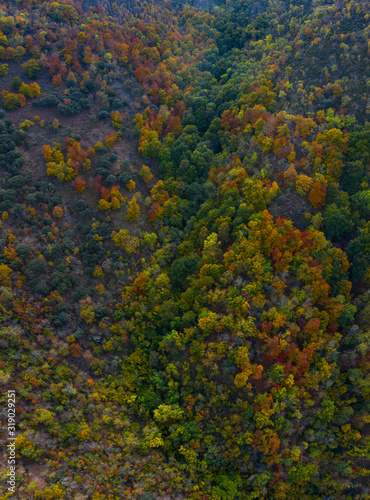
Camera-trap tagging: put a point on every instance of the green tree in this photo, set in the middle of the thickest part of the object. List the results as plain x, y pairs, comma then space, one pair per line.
32, 68
337, 222
181, 268
358, 252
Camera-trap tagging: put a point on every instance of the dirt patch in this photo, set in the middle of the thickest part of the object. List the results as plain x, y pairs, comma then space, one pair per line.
35, 473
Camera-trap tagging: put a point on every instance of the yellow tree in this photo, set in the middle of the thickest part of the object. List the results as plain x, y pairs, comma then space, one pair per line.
146, 174
120, 238
133, 210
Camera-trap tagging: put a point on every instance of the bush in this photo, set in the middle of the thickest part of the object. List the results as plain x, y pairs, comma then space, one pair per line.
103, 115
61, 319
4, 69
17, 181
81, 293
8, 194
115, 103
15, 265
13, 101
104, 172
181, 268
23, 250
62, 280
41, 288
111, 179
48, 101
5, 205
105, 230
104, 162
31, 68
337, 222
35, 267
73, 108
16, 83
123, 178
101, 311
82, 208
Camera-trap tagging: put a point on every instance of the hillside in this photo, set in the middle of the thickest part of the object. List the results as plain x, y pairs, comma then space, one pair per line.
185, 249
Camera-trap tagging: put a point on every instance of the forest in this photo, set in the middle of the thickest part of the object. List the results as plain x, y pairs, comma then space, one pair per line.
185, 249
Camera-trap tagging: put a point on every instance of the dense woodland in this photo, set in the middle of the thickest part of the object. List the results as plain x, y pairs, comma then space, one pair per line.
185, 248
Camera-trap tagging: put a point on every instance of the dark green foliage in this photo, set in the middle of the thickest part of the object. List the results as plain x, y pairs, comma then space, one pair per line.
348, 315
23, 250
41, 288
353, 175
358, 252
101, 311
181, 268
81, 293
48, 101
361, 202
105, 230
82, 208
35, 267
337, 222
8, 194
77, 104
17, 181
208, 351
16, 83
61, 319
103, 115
62, 280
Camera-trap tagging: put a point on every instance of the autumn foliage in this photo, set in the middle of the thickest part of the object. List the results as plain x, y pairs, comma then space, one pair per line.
205, 336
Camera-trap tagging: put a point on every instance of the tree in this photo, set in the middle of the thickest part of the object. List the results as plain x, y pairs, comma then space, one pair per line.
79, 184
32, 68
117, 119
4, 69
317, 194
5, 274
35, 267
110, 140
304, 126
56, 164
334, 145
13, 101
337, 222
303, 184
87, 313
62, 13
181, 268
131, 185
149, 143
58, 212
358, 252
133, 210
168, 413
146, 174
104, 205
32, 90
120, 238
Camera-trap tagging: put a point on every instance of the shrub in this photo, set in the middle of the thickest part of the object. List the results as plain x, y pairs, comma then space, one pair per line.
13, 101
61, 319
35, 267
48, 101
103, 115
31, 68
